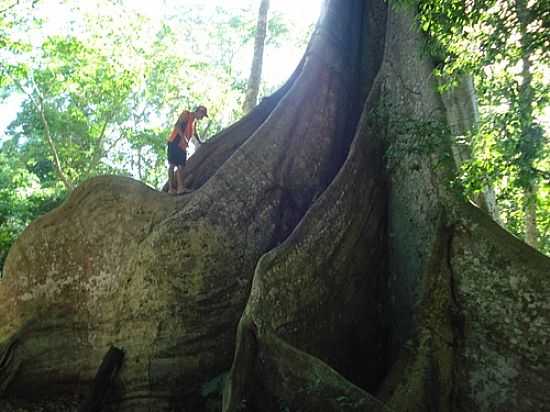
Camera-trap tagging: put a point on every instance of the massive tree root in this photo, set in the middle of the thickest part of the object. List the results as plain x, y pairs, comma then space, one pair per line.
431, 283
320, 230
334, 255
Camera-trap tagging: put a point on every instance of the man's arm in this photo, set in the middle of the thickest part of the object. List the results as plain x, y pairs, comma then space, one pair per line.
196, 142
196, 134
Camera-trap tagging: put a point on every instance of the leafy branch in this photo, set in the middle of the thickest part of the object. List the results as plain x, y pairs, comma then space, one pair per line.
38, 104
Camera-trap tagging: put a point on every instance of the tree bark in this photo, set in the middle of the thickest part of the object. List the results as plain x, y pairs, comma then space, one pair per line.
530, 210
463, 117
253, 87
351, 285
527, 130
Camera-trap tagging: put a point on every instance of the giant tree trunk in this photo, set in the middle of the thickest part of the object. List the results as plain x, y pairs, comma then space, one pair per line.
351, 282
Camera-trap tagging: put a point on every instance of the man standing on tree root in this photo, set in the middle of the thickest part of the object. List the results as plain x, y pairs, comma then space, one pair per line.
178, 141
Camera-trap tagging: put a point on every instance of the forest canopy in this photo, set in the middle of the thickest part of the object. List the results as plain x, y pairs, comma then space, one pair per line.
111, 80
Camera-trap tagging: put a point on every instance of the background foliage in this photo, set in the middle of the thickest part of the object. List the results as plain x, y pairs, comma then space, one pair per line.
504, 46
97, 86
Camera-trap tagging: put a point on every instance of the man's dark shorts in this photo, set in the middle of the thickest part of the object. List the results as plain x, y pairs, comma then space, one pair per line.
176, 156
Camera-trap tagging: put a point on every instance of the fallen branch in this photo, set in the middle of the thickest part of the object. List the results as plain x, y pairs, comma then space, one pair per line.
103, 381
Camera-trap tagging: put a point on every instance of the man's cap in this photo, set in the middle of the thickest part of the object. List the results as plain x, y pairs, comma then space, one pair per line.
203, 109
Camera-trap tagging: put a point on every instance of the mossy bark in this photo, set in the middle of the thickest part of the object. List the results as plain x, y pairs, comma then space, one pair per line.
352, 282
463, 118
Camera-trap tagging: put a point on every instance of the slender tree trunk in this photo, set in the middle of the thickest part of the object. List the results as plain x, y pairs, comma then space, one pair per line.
40, 108
57, 161
527, 137
100, 151
530, 209
140, 166
254, 80
462, 117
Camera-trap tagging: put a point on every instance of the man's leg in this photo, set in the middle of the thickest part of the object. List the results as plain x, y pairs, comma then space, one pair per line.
179, 180
171, 178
